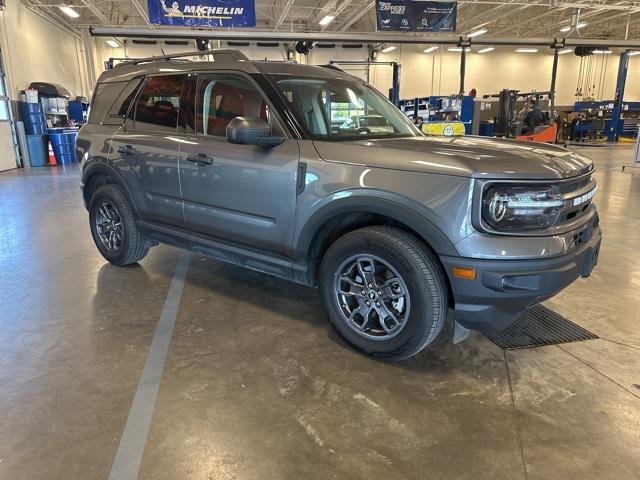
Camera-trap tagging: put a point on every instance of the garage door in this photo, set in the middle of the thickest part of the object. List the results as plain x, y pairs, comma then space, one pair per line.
7, 149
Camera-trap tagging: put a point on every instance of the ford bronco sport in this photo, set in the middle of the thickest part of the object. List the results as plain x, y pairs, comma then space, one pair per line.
244, 161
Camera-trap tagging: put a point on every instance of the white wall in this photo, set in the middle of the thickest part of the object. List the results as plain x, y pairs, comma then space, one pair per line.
439, 74
36, 50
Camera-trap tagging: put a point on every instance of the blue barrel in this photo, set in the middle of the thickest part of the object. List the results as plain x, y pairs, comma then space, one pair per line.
63, 141
38, 154
33, 118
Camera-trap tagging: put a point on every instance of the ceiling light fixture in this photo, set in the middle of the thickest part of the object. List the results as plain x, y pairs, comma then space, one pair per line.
566, 50
430, 49
486, 50
526, 50
113, 44
477, 32
70, 12
457, 49
602, 52
388, 49
326, 20
632, 54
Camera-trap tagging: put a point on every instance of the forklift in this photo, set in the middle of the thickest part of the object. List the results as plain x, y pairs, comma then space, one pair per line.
511, 110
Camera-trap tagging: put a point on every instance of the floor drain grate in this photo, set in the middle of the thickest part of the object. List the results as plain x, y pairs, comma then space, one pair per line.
539, 326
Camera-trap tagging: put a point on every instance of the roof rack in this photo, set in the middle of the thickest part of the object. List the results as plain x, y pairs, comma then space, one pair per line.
221, 54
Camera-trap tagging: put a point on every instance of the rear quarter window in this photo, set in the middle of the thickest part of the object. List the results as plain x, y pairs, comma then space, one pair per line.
103, 99
118, 111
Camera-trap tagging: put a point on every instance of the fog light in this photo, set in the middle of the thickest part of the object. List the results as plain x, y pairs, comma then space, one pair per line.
464, 273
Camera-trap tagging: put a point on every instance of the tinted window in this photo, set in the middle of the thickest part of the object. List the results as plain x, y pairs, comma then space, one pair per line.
158, 105
103, 98
221, 98
120, 107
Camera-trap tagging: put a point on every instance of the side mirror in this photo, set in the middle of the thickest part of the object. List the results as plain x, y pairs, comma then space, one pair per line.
251, 131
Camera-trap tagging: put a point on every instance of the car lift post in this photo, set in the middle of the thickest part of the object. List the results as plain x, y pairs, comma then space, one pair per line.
554, 73
616, 114
395, 84
463, 45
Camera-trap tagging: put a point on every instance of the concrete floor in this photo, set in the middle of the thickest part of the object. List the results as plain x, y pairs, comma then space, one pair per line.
256, 386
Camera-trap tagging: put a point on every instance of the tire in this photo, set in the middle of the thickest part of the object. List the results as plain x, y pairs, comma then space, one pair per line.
388, 251
132, 246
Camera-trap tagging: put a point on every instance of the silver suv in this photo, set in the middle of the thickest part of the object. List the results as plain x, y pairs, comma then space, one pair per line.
248, 162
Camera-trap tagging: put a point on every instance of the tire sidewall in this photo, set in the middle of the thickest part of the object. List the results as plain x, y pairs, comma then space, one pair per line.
424, 298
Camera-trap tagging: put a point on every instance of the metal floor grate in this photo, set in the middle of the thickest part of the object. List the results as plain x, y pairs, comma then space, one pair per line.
539, 326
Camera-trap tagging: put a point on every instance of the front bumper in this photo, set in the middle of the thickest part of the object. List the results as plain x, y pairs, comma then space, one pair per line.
504, 288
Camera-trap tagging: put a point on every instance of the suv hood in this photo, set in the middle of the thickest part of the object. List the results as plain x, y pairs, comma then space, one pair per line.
467, 156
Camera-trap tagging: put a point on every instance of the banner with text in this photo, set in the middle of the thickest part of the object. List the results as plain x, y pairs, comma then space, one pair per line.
203, 13
416, 16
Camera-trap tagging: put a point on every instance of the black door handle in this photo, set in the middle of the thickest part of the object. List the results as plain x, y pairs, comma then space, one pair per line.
200, 159
126, 150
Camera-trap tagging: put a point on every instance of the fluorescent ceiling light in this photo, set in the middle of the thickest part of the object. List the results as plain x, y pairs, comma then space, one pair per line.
526, 50
326, 20
568, 27
430, 49
566, 50
69, 11
113, 43
477, 32
602, 51
637, 52
388, 49
458, 49
485, 50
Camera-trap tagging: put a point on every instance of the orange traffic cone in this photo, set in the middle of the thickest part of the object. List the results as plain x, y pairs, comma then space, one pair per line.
52, 157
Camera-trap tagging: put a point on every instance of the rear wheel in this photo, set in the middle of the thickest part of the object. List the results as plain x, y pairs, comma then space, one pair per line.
113, 227
384, 292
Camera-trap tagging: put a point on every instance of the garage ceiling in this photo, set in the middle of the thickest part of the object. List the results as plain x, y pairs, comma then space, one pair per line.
508, 18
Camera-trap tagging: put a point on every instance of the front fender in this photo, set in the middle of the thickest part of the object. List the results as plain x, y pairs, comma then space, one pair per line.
417, 217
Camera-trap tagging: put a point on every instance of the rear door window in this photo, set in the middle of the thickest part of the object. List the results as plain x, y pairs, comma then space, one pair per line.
157, 107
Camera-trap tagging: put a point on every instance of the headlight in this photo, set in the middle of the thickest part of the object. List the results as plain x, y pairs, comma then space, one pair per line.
521, 208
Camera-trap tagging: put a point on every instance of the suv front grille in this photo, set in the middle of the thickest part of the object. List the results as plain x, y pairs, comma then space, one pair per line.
578, 196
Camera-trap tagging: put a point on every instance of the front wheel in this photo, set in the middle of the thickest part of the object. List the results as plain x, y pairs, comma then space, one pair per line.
384, 292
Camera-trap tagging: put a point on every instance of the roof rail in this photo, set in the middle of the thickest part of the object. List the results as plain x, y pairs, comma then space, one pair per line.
222, 54
331, 66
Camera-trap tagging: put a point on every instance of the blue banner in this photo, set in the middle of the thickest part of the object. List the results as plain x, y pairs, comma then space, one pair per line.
416, 16
203, 13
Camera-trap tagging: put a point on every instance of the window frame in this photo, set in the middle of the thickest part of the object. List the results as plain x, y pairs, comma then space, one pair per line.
277, 125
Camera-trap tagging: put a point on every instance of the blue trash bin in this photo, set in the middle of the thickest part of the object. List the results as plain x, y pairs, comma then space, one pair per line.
63, 141
37, 146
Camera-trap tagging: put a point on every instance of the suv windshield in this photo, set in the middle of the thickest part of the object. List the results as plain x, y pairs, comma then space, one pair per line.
334, 108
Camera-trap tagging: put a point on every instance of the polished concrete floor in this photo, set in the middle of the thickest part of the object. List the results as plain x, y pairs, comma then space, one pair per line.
256, 386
